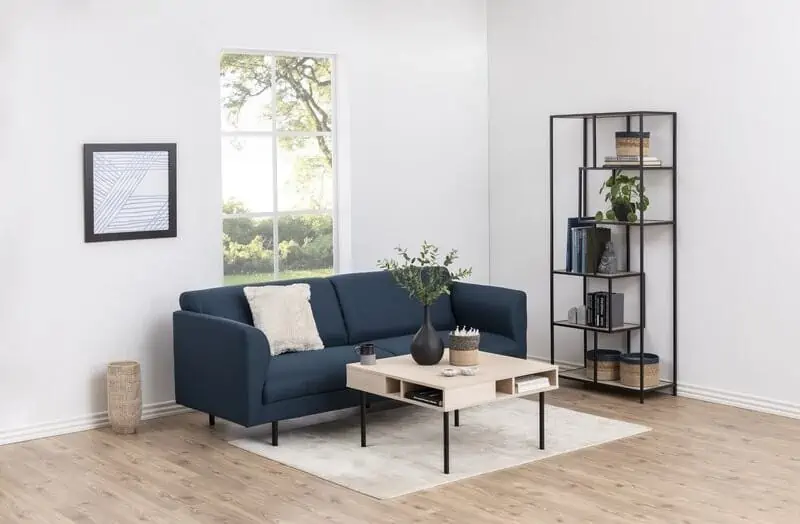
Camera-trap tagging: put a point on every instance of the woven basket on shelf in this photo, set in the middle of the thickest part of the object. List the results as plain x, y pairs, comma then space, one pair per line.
628, 143
607, 361
629, 370
124, 396
464, 350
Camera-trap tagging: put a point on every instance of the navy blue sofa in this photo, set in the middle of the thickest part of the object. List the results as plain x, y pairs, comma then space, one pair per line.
223, 365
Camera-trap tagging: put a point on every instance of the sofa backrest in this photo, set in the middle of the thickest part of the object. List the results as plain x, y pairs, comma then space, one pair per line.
229, 302
374, 306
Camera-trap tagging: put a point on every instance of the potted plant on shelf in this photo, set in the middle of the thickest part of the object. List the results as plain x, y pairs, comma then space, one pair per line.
624, 197
426, 279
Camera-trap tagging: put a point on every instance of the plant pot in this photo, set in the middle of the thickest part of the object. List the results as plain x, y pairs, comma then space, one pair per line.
427, 347
622, 210
464, 350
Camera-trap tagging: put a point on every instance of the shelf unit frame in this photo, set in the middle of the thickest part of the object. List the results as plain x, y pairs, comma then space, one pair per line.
590, 164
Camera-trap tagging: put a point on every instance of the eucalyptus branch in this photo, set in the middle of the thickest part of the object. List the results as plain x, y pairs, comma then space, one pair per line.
424, 276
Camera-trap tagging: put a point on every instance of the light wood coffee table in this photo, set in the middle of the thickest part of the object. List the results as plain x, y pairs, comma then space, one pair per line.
495, 380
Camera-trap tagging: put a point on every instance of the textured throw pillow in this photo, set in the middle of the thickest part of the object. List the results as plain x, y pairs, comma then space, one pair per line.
284, 314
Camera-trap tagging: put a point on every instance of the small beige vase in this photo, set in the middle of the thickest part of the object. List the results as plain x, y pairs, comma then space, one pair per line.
124, 383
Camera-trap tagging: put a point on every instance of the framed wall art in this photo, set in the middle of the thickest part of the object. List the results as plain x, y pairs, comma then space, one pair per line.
129, 191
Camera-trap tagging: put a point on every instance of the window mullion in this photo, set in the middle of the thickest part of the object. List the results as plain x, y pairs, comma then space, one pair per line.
276, 258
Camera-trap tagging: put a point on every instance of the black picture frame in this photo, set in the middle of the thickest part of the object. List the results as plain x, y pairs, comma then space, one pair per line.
90, 181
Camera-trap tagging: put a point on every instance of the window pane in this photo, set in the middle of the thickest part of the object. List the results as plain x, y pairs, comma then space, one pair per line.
246, 92
247, 173
303, 92
247, 246
305, 246
305, 177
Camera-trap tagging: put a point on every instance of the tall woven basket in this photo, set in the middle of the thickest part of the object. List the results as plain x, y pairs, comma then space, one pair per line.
464, 350
124, 383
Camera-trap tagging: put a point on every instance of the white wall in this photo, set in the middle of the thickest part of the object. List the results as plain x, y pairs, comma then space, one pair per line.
728, 67
413, 113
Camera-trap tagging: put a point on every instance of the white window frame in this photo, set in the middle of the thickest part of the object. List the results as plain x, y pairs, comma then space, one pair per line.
274, 134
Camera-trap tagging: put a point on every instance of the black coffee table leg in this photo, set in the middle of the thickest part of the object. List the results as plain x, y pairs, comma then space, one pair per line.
363, 419
456, 423
446, 426
541, 420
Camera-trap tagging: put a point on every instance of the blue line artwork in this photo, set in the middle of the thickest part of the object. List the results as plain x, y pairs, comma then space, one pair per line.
131, 191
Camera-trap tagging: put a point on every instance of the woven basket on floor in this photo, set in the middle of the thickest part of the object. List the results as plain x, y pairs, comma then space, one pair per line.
607, 364
464, 350
124, 396
629, 370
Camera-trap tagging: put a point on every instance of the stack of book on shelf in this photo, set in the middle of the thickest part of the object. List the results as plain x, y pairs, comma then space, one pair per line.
531, 383
599, 306
585, 244
632, 161
428, 396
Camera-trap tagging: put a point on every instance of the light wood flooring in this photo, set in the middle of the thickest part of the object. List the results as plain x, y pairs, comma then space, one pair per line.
702, 463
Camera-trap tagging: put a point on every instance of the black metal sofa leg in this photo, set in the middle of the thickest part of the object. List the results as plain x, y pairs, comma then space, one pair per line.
212, 420
275, 433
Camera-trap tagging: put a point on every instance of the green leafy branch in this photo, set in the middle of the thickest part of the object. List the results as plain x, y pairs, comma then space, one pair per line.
424, 276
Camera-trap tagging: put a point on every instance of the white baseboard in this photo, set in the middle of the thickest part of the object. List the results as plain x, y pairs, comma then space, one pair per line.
718, 396
91, 421
740, 400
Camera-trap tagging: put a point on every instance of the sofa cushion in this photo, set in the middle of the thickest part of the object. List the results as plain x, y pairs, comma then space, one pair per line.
284, 314
230, 302
293, 375
490, 342
374, 306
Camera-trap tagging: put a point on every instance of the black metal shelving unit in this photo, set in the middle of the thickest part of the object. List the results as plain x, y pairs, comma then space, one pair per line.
590, 165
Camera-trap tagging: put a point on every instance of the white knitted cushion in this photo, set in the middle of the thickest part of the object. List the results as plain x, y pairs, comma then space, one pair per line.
284, 314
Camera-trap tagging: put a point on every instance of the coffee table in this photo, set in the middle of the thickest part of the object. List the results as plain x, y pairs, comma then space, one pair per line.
495, 380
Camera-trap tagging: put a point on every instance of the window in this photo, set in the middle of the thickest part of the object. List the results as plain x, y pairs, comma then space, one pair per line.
278, 155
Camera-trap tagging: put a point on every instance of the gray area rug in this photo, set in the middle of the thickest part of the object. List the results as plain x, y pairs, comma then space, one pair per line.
404, 444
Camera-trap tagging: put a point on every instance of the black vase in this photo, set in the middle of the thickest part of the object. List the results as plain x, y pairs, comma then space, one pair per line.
427, 347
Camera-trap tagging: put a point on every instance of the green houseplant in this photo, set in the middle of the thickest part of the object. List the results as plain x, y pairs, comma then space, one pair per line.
426, 278
624, 198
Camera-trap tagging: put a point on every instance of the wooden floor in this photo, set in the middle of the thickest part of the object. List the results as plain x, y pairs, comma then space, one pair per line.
703, 463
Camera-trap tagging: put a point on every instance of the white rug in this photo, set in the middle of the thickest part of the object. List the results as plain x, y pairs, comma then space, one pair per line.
404, 445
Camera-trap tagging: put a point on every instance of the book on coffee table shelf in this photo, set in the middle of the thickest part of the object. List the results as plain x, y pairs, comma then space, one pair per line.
531, 383
428, 396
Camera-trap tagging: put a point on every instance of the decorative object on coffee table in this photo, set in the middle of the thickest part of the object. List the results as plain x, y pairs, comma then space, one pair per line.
124, 388
426, 279
367, 353
606, 361
630, 367
608, 261
463, 346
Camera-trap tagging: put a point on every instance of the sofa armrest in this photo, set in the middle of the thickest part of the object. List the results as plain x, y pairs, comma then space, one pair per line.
494, 309
220, 365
